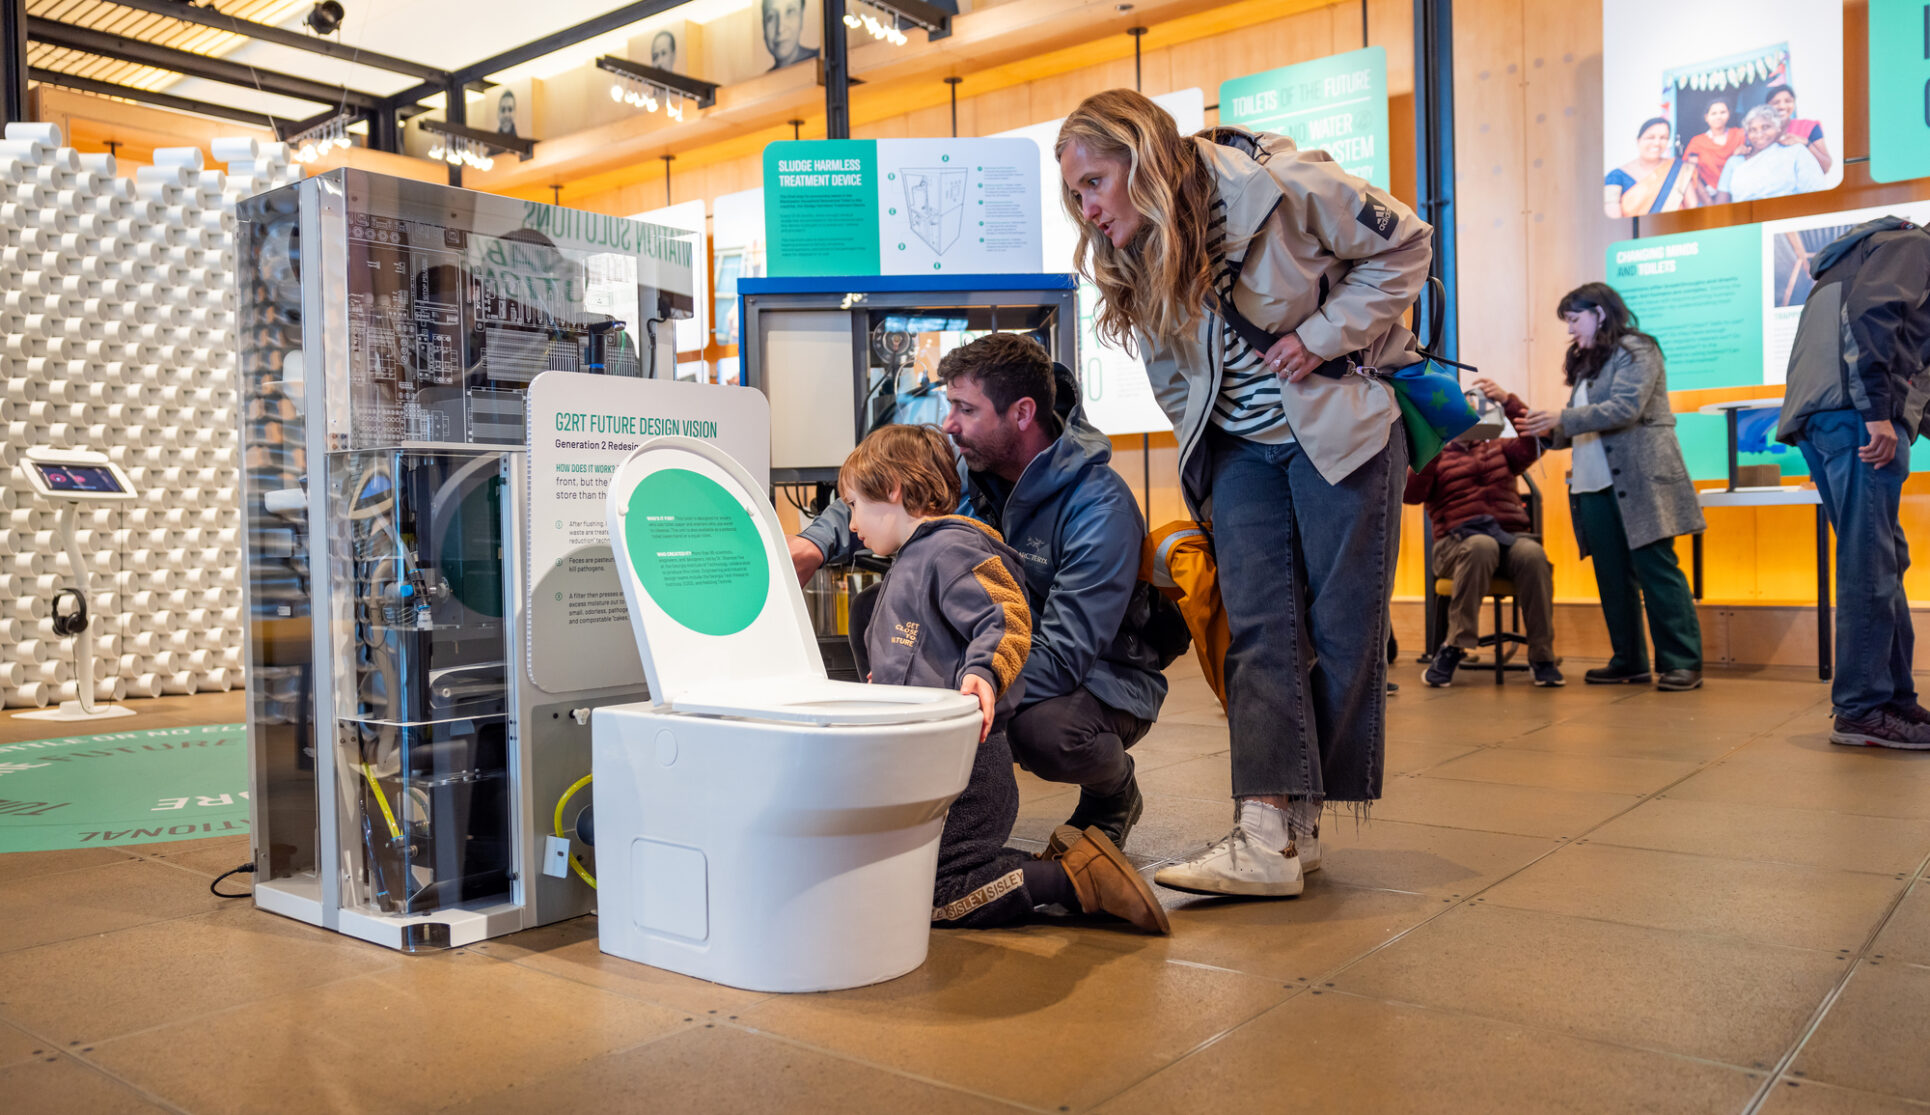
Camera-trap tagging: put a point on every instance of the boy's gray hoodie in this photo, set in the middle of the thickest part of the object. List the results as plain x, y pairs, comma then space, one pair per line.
950, 606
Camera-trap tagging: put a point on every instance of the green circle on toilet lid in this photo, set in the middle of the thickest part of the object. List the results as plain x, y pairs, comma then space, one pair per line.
697, 552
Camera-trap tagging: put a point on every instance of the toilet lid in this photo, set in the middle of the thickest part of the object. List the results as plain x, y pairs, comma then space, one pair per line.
715, 603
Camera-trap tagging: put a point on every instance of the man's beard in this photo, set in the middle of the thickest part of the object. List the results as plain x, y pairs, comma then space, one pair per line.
986, 454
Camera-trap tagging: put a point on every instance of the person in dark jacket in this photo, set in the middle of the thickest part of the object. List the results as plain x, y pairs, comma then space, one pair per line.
1478, 520
1628, 489
950, 614
1036, 471
1859, 373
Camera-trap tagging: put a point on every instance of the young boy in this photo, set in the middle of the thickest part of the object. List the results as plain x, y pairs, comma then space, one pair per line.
951, 614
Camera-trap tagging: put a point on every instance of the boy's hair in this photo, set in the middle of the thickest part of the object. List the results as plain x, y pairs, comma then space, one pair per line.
915, 460
1007, 366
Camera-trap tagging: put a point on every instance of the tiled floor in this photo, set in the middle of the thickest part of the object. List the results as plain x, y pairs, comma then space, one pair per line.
1577, 900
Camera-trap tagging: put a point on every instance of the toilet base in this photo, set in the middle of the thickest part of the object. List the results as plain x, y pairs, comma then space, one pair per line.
776, 857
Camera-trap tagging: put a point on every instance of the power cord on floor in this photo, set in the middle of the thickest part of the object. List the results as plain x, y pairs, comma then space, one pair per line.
214, 888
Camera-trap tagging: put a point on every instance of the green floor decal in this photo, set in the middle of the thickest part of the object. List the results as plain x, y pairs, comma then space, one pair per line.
140, 787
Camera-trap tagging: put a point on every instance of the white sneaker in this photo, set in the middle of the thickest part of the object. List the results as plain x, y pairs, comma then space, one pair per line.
1236, 865
1309, 849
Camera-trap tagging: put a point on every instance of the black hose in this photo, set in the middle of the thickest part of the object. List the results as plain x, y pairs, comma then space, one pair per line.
214, 888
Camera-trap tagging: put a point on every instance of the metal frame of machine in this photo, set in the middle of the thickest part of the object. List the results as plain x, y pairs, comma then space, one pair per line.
1047, 302
403, 762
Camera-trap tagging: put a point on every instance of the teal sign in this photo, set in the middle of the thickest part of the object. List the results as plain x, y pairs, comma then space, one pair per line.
1700, 294
821, 207
697, 552
1899, 89
902, 207
138, 787
1336, 104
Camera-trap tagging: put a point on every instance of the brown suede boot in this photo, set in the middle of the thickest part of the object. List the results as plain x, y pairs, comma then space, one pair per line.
1107, 882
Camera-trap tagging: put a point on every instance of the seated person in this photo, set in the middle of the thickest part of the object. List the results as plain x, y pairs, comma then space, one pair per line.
1472, 503
951, 615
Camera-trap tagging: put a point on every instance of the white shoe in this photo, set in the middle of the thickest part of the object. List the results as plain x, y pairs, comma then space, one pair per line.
1309, 849
1237, 865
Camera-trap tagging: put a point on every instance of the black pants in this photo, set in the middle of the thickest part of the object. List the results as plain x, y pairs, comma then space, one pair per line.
1076, 739
980, 882
1634, 580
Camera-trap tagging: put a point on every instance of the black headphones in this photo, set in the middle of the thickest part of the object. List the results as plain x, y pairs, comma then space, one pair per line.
73, 622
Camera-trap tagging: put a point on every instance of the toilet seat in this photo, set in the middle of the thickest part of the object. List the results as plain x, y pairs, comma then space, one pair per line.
716, 608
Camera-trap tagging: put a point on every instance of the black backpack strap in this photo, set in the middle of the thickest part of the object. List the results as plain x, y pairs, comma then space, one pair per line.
1436, 294
1260, 340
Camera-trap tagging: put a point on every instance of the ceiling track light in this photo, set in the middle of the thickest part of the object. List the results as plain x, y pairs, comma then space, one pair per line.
311, 144
886, 20
460, 145
649, 88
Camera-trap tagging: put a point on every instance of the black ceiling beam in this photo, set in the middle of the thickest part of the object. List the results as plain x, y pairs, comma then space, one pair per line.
161, 100
120, 47
268, 33
548, 44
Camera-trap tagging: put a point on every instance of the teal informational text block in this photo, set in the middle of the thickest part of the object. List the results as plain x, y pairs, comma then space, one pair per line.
1899, 89
1336, 104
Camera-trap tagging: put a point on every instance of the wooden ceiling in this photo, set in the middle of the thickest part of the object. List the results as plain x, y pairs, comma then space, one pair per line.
160, 30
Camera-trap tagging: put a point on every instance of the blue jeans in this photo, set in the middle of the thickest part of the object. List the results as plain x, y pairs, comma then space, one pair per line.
1305, 570
1873, 634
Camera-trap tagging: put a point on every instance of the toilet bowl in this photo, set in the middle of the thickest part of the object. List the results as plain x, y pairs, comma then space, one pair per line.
757, 824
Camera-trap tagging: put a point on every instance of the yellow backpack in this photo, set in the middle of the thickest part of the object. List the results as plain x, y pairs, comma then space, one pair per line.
1177, 559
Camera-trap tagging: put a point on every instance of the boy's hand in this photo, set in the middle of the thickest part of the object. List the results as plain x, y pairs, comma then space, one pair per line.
975, 686
1491, 389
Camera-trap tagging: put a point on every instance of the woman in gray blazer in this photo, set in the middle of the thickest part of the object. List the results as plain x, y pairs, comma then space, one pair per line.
1628, 487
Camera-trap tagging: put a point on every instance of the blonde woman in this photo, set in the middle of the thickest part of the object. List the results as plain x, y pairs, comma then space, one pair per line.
1252, 277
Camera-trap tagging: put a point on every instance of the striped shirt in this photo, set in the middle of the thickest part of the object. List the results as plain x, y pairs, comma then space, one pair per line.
1249, 401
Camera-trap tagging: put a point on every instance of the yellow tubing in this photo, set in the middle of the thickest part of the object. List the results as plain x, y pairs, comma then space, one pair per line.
382, 799
576, 865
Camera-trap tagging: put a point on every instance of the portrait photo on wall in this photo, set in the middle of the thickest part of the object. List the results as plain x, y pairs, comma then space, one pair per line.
792, 31
1718, 102
665, 52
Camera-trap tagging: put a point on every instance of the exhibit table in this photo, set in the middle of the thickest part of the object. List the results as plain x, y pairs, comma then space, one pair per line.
1782, 497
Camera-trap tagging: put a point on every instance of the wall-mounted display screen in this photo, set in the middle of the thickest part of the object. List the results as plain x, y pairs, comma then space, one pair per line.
84, 479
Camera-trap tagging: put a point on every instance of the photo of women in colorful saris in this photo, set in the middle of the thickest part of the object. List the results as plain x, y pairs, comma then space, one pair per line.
1767, 167
1655, 180
1686, 97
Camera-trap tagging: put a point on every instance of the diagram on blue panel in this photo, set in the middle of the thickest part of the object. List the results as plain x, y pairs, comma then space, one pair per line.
935, 200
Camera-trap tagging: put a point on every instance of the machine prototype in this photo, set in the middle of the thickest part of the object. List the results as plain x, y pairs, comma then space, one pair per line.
405, 764
891, 332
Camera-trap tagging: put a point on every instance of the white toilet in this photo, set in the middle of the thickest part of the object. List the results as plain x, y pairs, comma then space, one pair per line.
759, 824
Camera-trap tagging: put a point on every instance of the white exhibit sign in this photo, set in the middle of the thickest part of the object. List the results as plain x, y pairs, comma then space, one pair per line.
1118, 399
689, 217
581, 427
737, 233
902, 206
